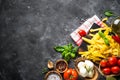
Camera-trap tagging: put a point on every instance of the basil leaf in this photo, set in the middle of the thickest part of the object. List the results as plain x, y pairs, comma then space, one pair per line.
70, 46
67, 56
74, 50
72, 55
109, 13
59, 48
63, 53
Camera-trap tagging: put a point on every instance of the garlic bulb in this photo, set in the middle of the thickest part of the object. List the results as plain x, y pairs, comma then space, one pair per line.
89, 64
91, 73
83, 72
81, 64
86, 68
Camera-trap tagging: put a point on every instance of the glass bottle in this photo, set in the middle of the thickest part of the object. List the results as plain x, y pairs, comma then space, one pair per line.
116, 26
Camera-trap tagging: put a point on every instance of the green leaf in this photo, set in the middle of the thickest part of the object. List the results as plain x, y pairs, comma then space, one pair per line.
110, 78
74, 50
63, 53
72, 55
66, 47
59, 48
67, 56
109, 13
70, 46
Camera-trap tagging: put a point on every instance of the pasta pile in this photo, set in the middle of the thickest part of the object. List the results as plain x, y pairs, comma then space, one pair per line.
97, 49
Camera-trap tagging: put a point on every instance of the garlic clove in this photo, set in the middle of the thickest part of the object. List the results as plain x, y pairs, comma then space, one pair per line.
50, 64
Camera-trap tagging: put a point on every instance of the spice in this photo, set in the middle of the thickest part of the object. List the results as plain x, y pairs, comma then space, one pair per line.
61, 66
53, 76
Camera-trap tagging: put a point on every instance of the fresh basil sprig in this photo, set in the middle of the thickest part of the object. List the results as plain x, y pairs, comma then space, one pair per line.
68, 51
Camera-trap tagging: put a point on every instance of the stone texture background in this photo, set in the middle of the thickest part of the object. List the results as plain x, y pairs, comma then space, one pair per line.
29, 29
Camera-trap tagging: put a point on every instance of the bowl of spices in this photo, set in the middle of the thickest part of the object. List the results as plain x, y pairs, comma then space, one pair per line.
61, 65
53, 75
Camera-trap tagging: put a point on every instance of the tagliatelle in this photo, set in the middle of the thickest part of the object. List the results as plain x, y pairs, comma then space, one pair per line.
97, 49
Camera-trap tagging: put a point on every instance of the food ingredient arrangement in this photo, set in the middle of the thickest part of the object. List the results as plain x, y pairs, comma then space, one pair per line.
102, 54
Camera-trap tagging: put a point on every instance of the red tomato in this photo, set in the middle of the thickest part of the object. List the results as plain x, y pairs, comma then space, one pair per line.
118, 62
82, 32
106, 71
70, 74
108, 64
115, 69
112, 61
103, 63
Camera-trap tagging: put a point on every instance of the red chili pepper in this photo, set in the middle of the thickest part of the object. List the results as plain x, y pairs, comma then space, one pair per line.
116, 38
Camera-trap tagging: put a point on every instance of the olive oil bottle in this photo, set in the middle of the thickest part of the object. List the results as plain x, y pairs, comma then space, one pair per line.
116, 26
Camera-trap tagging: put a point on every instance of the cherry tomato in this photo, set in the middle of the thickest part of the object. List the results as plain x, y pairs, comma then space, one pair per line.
103, 63
115, 69
106, 71
112, 60
82, 32
118, 62
70, 74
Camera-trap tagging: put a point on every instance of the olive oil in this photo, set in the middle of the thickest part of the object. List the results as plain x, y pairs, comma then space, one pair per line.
116, 26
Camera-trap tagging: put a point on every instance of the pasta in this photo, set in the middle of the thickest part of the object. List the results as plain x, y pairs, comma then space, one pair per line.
97, 49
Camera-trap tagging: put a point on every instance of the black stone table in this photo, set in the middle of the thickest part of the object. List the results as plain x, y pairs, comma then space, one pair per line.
29, 29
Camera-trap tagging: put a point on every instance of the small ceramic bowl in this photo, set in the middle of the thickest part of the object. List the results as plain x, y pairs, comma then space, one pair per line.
95, 76
61, 65
111, 74
53, 75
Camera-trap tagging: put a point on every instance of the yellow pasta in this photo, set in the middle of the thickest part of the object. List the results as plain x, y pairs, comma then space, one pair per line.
97, 49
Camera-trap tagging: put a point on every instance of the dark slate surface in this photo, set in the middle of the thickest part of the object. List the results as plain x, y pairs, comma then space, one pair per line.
29, 29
